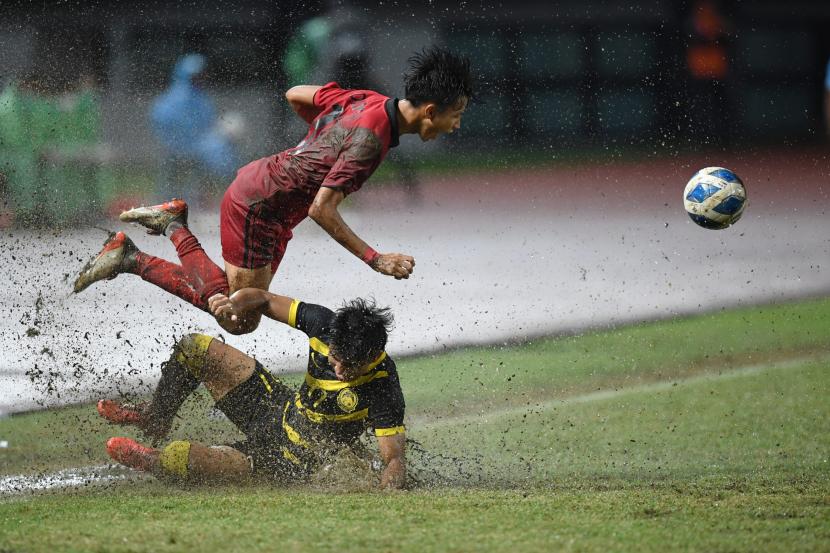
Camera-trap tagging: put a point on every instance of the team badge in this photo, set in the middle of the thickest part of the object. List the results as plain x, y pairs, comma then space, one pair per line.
347, 399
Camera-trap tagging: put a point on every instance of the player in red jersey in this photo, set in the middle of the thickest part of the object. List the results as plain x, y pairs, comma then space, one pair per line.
350, 132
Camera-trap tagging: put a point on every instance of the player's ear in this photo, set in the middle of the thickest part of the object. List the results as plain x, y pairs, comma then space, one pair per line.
430, 111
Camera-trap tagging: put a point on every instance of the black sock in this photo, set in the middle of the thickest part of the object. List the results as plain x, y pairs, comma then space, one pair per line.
174, 387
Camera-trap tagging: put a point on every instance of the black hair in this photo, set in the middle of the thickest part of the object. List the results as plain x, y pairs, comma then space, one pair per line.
437, 75
359, 331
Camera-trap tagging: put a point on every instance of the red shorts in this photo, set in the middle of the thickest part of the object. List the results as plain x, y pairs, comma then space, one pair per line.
250, 240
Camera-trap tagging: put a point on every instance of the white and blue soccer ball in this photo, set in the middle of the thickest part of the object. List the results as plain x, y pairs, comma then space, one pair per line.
715, 198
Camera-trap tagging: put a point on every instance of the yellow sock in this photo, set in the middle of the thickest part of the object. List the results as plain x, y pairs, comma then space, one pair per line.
174, 458
192, 352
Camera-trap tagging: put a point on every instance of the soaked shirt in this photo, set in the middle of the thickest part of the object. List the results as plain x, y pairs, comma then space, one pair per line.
326, 410
350, 133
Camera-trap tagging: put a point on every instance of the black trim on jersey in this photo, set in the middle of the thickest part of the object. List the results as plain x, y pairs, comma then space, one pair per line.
392, 113
247, 238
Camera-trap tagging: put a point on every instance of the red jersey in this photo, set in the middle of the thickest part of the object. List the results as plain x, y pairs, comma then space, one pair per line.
350, 132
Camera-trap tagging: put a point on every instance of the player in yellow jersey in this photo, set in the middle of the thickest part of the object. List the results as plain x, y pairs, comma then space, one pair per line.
351, 385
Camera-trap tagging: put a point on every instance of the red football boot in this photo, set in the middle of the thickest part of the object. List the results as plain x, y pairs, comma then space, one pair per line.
112, 260
128, 414
132, 454
157, 217
121, 413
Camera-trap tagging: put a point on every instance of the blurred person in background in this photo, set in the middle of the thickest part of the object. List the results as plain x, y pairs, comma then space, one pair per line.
708, 66
198, 150
349, 135
51, 151
337, 46
17, 162
75, 153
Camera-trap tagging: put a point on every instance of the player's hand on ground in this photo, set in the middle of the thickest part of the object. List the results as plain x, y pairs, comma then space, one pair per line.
397, 265
222, 307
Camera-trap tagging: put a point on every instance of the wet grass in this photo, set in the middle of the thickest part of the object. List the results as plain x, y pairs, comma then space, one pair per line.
767, 518
484, 378
707, 433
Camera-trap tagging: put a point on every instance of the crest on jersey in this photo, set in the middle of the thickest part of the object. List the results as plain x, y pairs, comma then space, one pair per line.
347, 400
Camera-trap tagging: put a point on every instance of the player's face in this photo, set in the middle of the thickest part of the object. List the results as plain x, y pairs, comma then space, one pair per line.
437, 122
345, 372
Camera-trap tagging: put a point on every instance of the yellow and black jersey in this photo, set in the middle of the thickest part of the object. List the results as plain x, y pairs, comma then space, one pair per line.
326, 409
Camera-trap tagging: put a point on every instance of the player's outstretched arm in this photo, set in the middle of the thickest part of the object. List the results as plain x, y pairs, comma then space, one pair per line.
250, 301
392, 450
324, 212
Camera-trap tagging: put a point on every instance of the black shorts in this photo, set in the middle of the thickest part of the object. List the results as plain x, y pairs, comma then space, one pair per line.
256, 407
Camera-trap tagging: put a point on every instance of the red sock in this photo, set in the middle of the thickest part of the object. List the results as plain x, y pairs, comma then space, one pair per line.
195, 280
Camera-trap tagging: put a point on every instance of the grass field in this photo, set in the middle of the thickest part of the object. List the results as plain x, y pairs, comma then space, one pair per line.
709, 433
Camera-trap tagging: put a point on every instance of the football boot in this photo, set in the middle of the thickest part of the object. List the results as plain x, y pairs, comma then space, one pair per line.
156, 218
130, 453
111, 261
121, 413
128, 414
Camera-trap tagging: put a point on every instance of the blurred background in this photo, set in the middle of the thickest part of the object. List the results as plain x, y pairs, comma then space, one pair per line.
103, 105
556, 209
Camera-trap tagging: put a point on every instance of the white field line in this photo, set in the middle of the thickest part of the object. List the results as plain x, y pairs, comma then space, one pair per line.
484, 417
83, 476
66, 478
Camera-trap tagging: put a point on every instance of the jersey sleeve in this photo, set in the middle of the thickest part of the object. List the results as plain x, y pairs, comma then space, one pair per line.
308, 317
358, 159
387, 412
324, 98
328, 95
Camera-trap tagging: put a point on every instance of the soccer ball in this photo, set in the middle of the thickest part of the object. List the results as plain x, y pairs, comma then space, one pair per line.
714, 198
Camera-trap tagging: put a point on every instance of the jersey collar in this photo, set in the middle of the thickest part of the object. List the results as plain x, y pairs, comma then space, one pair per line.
392, 114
